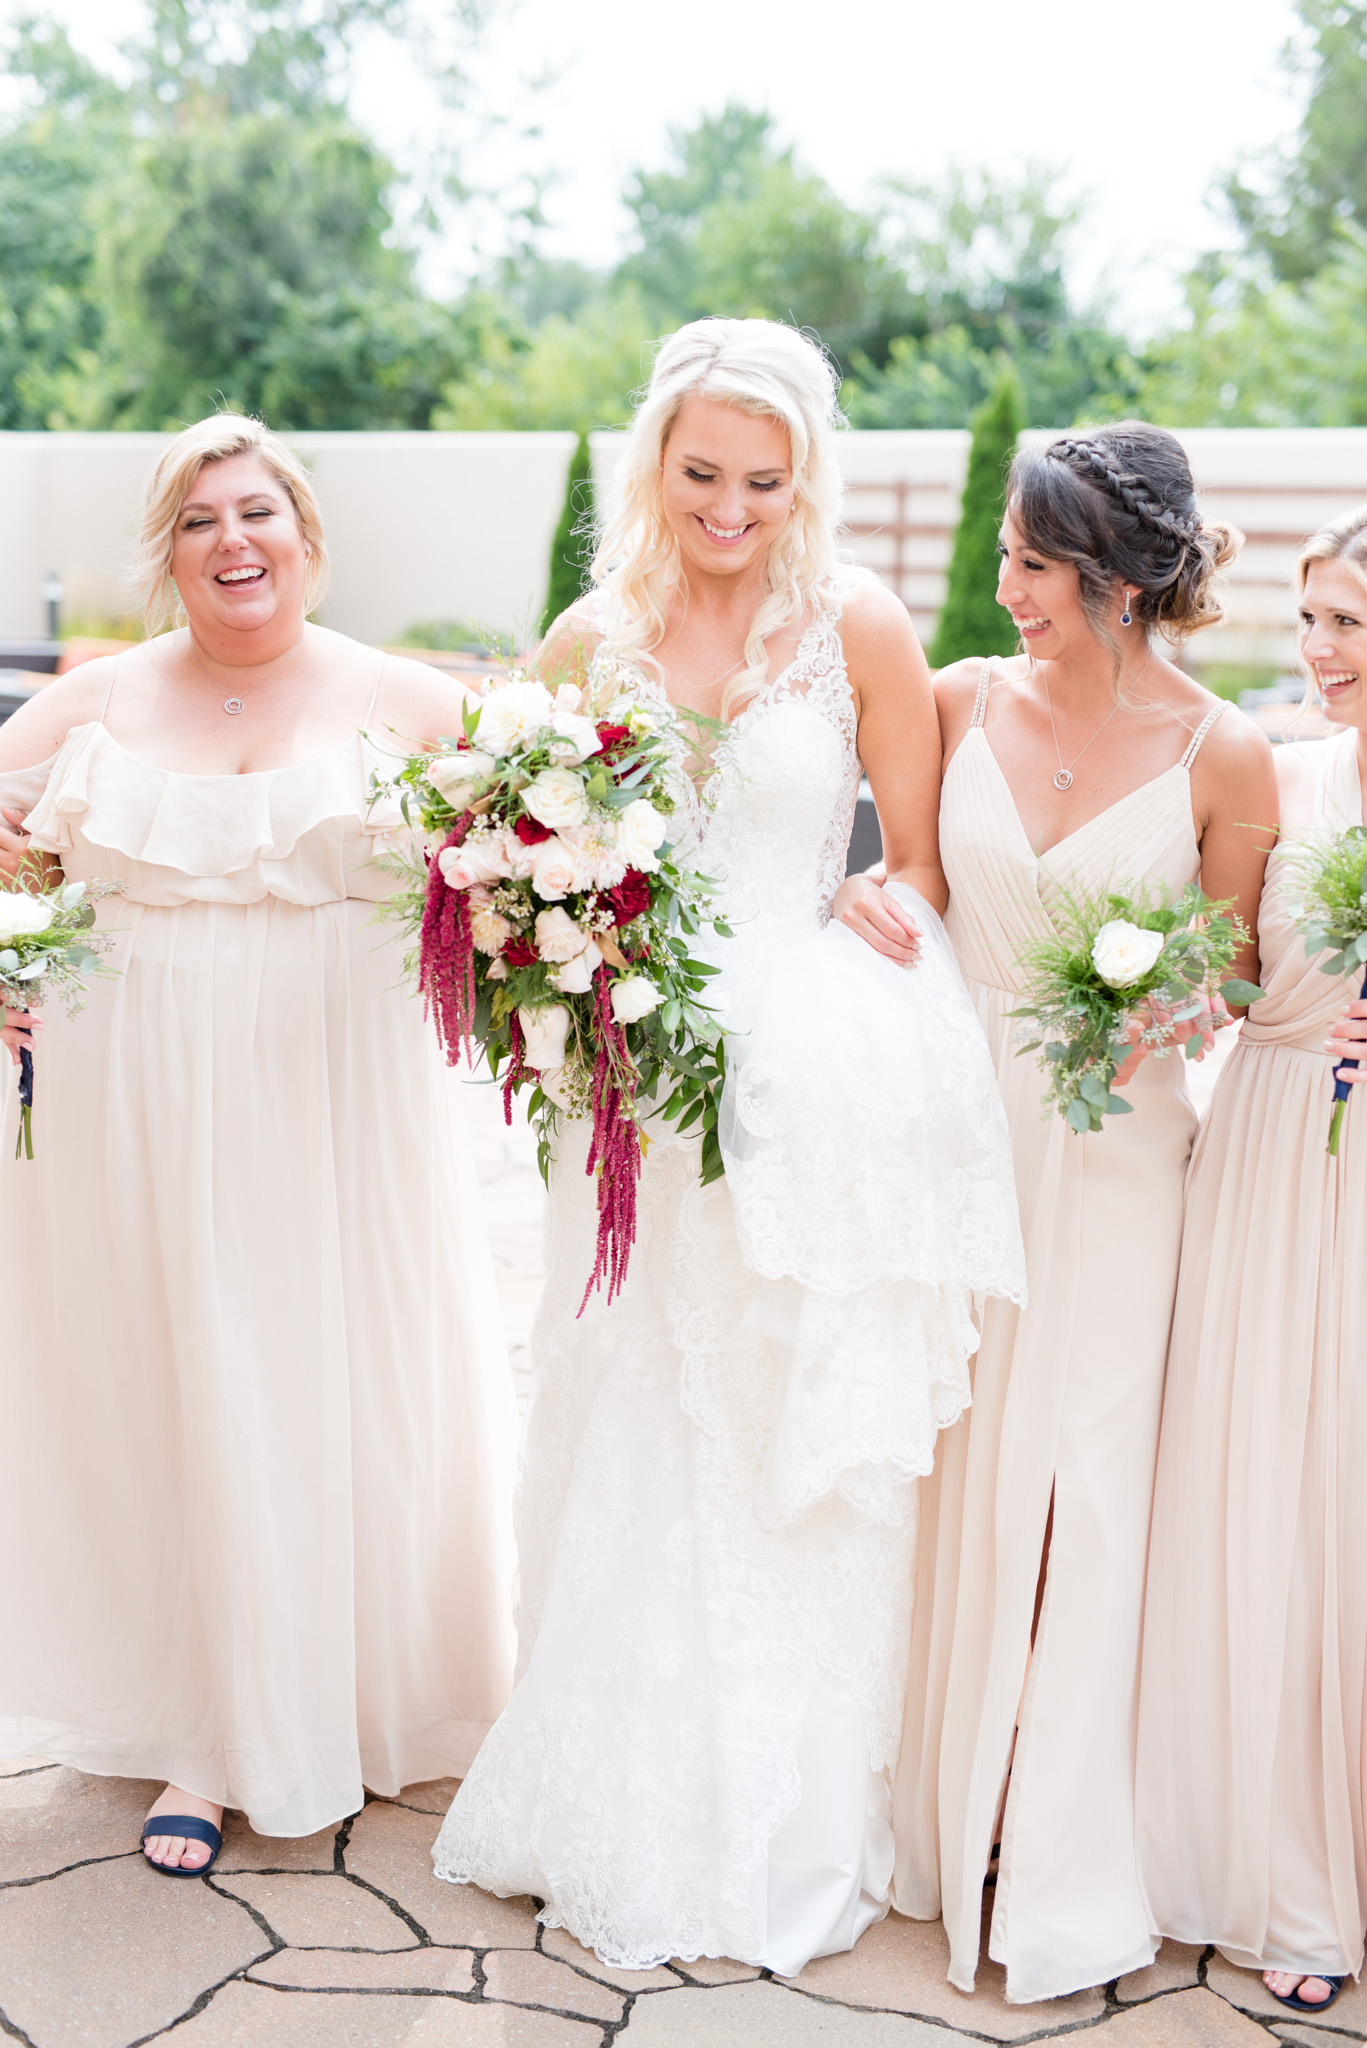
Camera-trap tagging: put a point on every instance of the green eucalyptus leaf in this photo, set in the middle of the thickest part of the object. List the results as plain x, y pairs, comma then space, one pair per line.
1117, 1106
1237, 991
1079, 1115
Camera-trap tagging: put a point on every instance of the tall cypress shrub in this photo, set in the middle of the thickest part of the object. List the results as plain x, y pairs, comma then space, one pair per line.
972, 621
569, 551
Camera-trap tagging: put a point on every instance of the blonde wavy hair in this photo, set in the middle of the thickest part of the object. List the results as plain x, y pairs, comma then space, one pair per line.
762, 368
170, 484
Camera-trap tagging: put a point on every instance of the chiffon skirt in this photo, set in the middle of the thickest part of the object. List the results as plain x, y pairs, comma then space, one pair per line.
1254, 1695
256, 1464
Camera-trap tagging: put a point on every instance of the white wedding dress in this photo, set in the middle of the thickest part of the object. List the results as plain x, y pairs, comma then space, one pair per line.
717, 1516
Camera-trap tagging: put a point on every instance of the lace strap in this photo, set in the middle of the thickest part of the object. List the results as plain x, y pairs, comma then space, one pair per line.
1194, 747
980, 701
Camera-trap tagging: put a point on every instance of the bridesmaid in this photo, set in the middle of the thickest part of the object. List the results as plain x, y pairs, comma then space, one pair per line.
1251, 1778
1088, 757
256, 1455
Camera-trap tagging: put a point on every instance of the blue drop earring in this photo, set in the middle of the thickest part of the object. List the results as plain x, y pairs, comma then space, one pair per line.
1125, 618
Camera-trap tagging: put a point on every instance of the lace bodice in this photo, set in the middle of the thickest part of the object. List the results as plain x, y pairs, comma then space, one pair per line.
772, 821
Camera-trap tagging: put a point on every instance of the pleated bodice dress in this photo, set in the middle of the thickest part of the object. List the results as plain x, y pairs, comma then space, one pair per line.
256, 1462
1253, 1699
1066, 1397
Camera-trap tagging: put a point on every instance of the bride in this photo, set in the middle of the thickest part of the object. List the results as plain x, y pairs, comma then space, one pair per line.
718, 1499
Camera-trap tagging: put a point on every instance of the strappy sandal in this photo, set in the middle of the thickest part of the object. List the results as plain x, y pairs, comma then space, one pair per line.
1299, 2004
192, 1829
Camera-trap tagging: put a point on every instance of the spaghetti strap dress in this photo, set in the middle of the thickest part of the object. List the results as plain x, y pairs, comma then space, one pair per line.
1066, 1399
1253, 1700
257, 1457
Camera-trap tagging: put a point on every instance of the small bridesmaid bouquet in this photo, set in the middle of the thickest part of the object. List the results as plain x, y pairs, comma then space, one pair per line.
1114, 961
553, 924
1330, 903
47, 946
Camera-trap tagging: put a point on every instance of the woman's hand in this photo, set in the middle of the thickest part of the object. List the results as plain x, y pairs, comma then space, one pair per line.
1348, 1041
13, 840
17, 1031
873, 915
1212, 1017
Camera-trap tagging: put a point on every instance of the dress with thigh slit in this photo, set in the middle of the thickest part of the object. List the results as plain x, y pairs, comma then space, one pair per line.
1066, 1396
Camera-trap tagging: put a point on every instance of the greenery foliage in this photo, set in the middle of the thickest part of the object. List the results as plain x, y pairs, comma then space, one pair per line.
971, 621
1079, 1021
203, 222
569, 550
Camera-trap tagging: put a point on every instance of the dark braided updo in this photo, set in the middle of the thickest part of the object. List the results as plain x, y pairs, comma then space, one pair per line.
1119, 503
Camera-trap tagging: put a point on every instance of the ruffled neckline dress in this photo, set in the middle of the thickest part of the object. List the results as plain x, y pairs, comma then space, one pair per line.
258, 1452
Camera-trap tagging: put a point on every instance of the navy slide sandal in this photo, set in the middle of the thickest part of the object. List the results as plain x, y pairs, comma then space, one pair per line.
193, 1829
1299, 2004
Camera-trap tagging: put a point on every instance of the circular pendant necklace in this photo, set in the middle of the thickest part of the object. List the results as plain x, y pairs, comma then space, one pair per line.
1063, 777
232, 705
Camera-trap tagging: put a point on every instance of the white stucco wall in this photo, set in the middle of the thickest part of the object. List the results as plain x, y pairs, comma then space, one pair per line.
447, 526
419, 526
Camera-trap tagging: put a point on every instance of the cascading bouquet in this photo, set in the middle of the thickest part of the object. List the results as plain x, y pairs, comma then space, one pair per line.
1329, 896
1114, 960
47, 947
552, 923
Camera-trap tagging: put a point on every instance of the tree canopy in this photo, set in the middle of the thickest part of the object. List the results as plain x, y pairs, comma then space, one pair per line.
205, 223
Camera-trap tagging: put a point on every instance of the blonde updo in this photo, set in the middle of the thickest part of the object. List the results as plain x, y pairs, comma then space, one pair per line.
1119, 503
762, 368
170, 484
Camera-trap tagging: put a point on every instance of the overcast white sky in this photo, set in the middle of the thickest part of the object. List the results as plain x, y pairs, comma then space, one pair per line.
1142, 108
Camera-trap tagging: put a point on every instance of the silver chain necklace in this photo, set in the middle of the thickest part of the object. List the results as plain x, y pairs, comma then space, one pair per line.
232, 705
1063, 777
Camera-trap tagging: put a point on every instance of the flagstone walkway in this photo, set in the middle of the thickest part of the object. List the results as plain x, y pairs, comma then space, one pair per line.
346, 1940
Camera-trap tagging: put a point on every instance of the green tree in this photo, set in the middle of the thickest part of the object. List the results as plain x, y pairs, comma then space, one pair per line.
570, 545
577, 372
972, 622
210, 227
984, 263
1292, 219
1259, 355
52, 158
738, 228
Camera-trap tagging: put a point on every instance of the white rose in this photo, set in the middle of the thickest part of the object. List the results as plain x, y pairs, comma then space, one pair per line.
601, 862
556, 870
558, 937
482, 858
456, 776
497, 970
569, 697
545, 1032
575, 739
1123, 953
575, 978
634, 997
21, 915
556, 798
489, 932
512, 714
640, 829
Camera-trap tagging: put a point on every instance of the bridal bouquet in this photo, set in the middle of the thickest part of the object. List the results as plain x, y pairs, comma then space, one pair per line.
1113, 960
46, 947
1329, 891
553, 924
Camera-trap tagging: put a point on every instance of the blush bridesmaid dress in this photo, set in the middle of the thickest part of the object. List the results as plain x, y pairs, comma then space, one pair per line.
257, 1458
1253, 1703
1066, 1399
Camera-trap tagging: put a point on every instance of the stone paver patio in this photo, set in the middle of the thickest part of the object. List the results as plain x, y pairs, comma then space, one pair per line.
346, 1940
